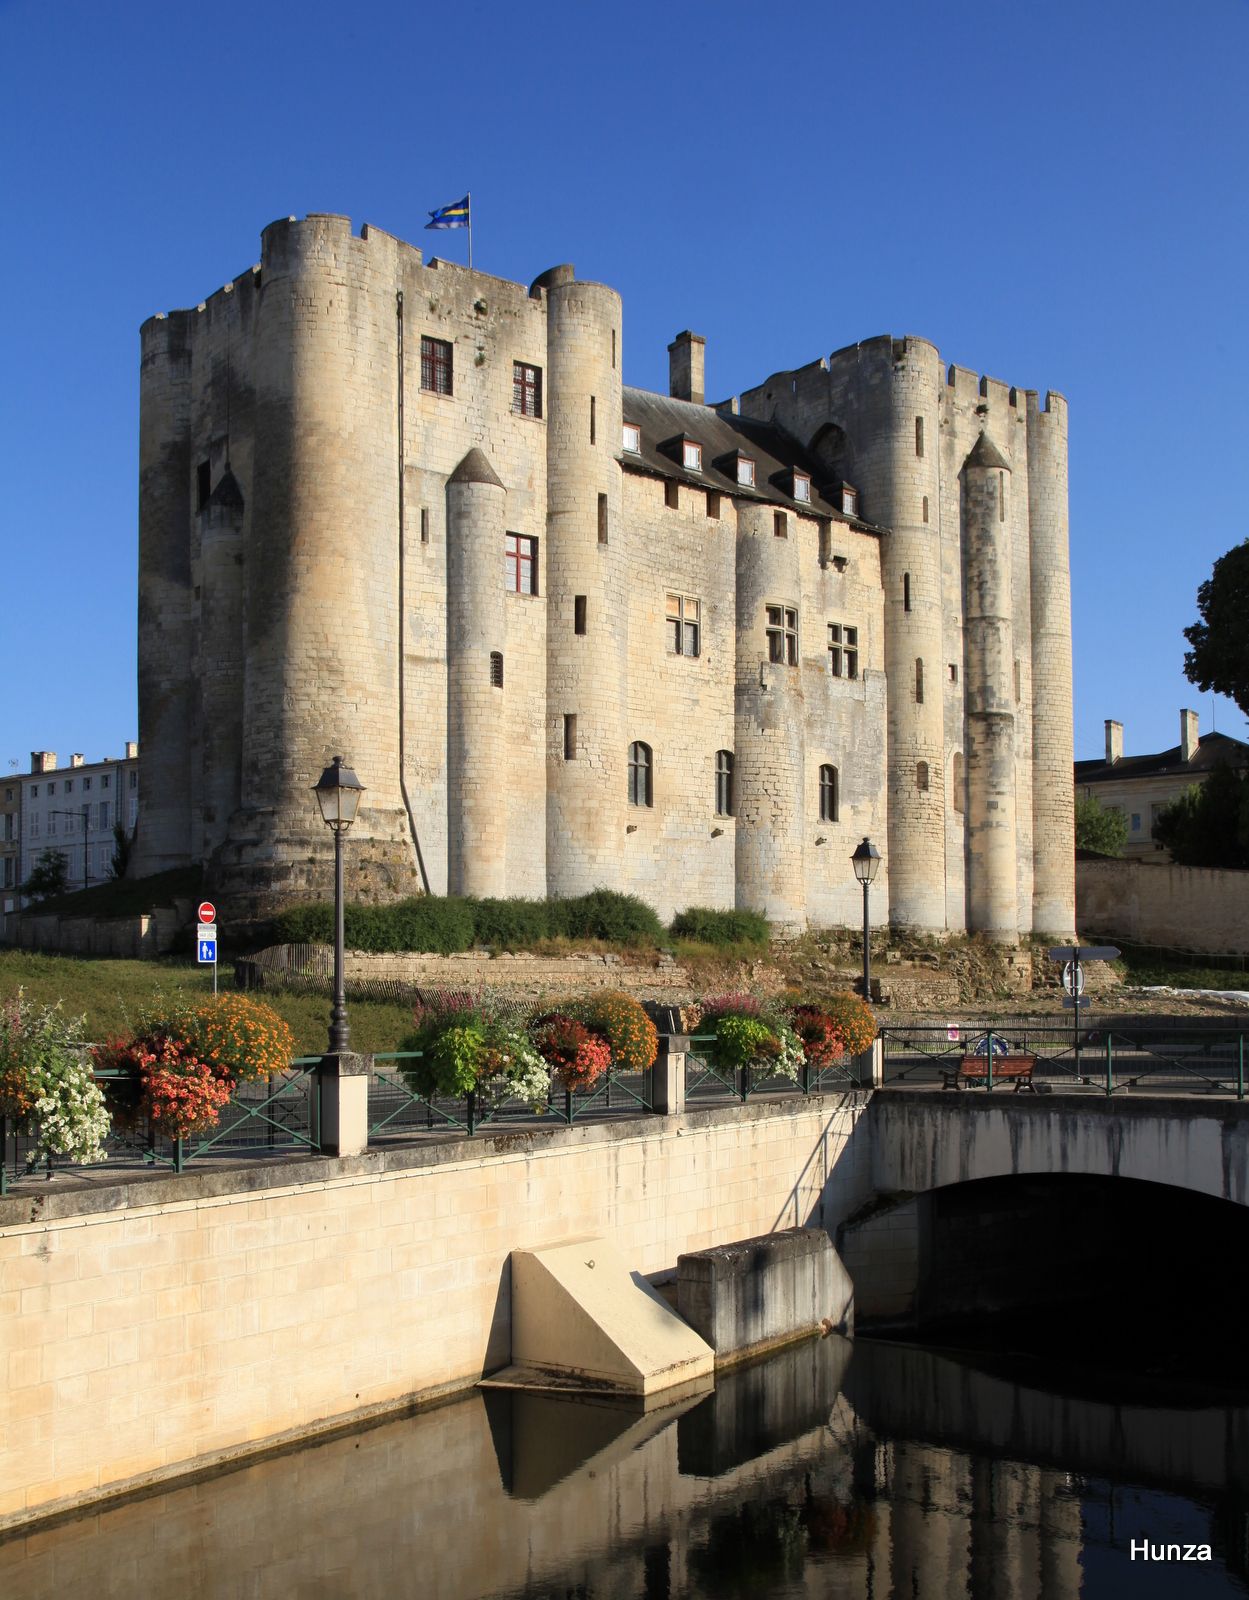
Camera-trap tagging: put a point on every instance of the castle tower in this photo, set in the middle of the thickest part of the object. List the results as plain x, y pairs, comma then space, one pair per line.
587, 732
1053, 819
988, 674
768, 724
892, 390
321, 626
219, 658
165, 635
476, 687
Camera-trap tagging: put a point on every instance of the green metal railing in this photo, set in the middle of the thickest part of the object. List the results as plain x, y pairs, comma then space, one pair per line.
1107, 1055
397, 1106
706, 1079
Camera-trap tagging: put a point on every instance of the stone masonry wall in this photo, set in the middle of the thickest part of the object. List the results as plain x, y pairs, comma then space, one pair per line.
186, 1320
1192, 908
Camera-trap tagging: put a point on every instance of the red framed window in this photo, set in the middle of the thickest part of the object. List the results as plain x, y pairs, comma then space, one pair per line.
520, 564
526, 390
436, 365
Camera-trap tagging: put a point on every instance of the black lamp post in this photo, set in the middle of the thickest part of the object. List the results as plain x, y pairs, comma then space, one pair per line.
866, 863
338, 794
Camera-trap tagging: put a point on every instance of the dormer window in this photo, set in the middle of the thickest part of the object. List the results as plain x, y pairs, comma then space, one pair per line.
632, 437
802, 487
746, 471
691, 456
848, 499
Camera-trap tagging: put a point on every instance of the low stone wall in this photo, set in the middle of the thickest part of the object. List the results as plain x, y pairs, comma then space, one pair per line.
166, 1323
1191, 908
534, 974
137, 938
755, 1293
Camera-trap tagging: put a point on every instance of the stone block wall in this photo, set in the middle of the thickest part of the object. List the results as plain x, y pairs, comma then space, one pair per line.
1192, 908
187, 1320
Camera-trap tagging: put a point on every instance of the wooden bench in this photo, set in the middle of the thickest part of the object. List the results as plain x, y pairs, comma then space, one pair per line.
975, 1069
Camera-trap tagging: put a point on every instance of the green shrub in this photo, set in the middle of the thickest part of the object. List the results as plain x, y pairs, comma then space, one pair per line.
424, 923
604, 914
740, 1040
709, 926
512, 924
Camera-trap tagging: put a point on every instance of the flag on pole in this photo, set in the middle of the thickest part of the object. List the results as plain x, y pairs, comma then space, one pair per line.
453, 216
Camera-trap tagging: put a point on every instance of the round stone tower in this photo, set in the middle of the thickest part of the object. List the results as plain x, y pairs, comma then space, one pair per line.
476, 746
988, 671
587, 731
165, 679
322, 605
1053, 819
768, 724
219, 656
897, 398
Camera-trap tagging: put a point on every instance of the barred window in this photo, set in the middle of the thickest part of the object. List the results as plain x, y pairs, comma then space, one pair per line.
520, 564
496, 669
435, 365
724, 783
683, 625
641, 773
782, 631
526, 389
843, 650
829, 799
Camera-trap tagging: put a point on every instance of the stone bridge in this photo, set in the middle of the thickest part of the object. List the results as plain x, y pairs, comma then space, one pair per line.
983, 1202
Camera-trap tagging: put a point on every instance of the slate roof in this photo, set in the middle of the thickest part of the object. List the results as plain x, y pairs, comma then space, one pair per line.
1212, 748
663, 420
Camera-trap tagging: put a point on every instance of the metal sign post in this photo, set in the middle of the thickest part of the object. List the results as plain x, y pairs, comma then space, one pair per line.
206, 948
1071, 955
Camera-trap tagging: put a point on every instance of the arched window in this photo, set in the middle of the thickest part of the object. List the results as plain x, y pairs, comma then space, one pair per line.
919, 681
641, 774
724, 783
829, 799
496, 669
921, 776
956, 781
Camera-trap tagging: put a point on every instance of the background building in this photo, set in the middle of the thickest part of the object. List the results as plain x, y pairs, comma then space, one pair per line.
56, 802
1142, 787
573, 634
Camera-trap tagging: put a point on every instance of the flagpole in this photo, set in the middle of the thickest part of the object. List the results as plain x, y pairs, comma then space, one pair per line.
470, 230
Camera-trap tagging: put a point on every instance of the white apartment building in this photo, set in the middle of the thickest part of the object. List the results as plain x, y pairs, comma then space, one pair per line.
74, 810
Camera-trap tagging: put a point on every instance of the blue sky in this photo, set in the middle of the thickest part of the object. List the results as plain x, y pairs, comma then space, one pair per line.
1054, 195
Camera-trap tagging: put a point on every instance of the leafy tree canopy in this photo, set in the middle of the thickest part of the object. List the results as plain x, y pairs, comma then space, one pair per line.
1219, 658
48, 876
1208, 826
1099, 828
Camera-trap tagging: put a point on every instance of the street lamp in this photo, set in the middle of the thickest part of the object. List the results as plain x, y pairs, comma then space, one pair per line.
866, 862
338, 794
83, 816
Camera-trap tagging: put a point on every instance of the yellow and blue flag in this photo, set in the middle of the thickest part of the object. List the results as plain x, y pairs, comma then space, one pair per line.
453, 216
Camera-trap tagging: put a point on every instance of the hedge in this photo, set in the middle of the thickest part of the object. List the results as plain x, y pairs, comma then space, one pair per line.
721, 927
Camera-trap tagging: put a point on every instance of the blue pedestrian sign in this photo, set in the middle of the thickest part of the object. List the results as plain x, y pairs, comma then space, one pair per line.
207, 952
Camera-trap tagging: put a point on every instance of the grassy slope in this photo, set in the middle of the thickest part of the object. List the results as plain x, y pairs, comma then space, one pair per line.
112, 993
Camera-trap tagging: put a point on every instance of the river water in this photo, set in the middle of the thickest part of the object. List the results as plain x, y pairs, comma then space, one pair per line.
871, 1469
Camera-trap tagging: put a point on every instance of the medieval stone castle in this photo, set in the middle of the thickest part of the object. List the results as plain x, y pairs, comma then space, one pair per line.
573, 634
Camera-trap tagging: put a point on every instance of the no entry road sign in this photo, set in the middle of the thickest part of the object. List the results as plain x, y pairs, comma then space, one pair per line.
207, 912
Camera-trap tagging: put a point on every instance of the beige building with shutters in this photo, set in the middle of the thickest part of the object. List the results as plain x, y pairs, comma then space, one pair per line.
574, 634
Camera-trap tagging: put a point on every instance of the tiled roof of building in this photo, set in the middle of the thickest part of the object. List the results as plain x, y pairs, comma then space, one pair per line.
1212, 749
663, 422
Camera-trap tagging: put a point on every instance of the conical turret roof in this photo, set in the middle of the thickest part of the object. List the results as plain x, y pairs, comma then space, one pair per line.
986, 454
475, 468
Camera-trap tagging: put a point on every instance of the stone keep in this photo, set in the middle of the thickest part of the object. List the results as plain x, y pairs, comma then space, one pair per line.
837, 605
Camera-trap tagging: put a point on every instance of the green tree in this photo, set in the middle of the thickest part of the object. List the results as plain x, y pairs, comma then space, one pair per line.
122, 842
1219, 658
1100, 828
1208, 826
48, 876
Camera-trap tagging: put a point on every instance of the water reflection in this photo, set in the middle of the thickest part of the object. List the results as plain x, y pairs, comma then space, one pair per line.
874, 1470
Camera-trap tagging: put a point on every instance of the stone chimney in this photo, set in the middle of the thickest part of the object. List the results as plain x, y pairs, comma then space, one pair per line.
1188, 735
77, 759
1114, 742
685, 367
43, 760
132, 749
